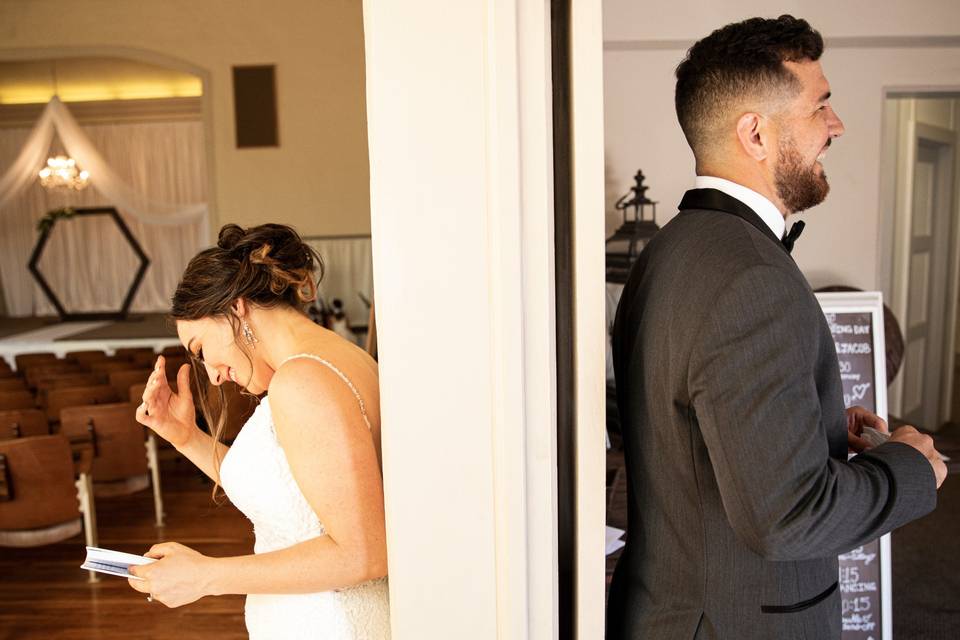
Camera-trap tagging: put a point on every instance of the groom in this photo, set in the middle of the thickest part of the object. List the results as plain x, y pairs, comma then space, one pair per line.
740, 492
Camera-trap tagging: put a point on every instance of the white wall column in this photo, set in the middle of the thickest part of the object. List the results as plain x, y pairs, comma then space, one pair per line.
460, 133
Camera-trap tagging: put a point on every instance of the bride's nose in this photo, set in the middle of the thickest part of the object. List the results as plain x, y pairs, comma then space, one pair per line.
214, 374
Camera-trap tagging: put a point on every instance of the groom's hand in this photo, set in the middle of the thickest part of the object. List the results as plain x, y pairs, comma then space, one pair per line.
858, 418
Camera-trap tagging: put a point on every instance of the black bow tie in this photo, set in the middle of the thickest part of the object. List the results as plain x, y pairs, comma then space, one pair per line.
791, 238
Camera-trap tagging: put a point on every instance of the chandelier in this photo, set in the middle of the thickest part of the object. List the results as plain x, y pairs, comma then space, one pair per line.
62, 172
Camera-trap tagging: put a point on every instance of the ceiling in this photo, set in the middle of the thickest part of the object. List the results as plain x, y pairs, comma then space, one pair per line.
91, 79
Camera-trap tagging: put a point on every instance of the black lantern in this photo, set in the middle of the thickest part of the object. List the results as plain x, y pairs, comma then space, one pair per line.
628, 241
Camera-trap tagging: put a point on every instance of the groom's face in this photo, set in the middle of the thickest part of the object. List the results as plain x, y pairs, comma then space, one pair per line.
806, 129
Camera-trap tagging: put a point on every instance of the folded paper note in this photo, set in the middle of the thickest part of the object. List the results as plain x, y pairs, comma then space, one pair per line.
114, 563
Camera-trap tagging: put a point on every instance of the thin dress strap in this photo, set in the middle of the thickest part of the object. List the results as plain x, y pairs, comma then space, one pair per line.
356, 394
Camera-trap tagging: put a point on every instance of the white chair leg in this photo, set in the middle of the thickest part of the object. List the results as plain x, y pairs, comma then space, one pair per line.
89, 511
154, 465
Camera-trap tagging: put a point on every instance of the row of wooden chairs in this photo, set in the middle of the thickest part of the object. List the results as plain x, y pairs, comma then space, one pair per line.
84, 398
112, 456
140, 355
121, 455
85, 377
45, 491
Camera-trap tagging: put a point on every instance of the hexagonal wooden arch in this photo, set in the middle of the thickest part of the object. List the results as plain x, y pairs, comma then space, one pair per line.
137, 279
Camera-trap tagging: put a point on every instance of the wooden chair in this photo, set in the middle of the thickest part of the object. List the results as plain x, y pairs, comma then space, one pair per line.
173, 364
240, 406
106, 367
70, 379
174, 352
64, 381
86, 357
13, 384
165, 450
136, 392
39, 493
36, 372
58, 399
122, 455
6, 374
135, 353
17, 400
123, 380
144, 359
23, 423
24, 360
371, 342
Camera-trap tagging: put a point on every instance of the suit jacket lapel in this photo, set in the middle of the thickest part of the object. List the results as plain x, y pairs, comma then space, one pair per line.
715, 200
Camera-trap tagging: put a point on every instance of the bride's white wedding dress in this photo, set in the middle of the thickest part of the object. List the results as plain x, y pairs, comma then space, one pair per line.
257, 478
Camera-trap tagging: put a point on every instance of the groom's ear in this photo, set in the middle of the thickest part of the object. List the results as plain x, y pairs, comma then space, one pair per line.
753, 134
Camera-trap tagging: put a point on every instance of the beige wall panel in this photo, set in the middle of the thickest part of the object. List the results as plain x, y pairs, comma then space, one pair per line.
318, 178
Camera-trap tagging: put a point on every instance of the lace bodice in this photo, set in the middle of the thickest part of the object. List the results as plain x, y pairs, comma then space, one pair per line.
257, 478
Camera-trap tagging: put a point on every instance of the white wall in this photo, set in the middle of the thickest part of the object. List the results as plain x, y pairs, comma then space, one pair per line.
317, 179
871, 46
690, 19
462, 211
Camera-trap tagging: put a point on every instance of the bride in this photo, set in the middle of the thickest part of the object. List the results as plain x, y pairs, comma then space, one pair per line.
305, 468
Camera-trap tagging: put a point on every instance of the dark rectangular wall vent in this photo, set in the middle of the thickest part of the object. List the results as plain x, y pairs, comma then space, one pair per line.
255, 106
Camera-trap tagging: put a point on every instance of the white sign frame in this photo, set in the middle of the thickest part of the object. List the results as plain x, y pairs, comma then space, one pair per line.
871, 302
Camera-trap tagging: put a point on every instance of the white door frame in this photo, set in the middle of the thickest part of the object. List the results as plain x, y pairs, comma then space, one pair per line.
586, 66
900, 132
461, 171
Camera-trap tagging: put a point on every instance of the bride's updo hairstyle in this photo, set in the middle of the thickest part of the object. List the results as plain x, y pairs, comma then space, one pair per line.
268, 266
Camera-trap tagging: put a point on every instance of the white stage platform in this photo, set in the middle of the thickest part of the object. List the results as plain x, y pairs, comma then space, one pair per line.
54, 339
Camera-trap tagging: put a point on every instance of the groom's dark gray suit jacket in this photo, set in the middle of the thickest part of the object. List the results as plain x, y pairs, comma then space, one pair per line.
739, 490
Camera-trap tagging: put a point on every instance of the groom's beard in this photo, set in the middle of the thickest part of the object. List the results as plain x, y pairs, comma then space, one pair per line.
799, 187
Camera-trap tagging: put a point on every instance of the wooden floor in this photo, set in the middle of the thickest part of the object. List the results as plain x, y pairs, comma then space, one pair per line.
44, 594
12, 326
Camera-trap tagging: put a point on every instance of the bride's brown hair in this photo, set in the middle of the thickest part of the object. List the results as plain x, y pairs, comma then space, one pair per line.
267, 266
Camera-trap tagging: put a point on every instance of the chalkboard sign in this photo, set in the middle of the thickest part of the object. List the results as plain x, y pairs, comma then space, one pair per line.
856, 322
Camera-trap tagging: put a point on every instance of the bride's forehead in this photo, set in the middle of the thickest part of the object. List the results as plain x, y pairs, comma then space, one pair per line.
188, 330
202, 328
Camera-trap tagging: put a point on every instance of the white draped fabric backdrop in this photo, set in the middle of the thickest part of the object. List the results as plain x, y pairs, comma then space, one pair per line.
347, 274
153, 173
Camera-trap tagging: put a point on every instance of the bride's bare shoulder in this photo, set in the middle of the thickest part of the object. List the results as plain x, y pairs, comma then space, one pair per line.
332, 374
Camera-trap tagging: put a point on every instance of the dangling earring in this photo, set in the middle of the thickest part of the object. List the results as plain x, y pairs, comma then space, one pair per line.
248, 336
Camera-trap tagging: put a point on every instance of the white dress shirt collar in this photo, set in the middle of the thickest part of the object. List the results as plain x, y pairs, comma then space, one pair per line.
767, 211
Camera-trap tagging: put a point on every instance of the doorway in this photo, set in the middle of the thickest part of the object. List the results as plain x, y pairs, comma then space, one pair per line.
923, 278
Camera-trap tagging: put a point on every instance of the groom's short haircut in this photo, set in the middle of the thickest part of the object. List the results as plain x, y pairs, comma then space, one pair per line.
737, 66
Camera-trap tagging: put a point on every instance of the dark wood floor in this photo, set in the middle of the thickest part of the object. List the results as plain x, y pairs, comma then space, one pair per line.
44, 593
12, 326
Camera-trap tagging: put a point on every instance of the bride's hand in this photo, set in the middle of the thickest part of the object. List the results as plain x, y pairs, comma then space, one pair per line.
171, 415
178, 577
